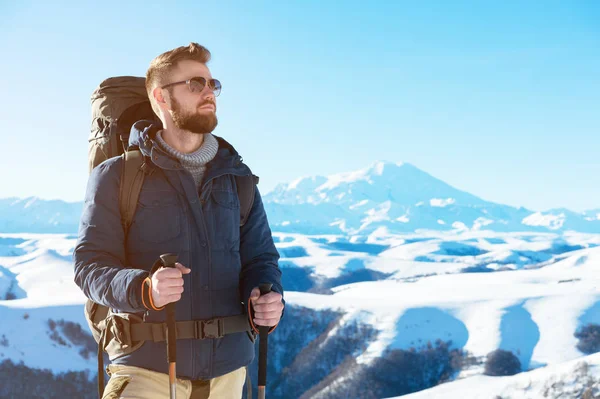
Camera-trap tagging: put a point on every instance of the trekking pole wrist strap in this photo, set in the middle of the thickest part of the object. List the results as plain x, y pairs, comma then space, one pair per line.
147, 300
253, 327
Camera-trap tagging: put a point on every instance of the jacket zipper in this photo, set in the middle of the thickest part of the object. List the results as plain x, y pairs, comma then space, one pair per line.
191, 250
190, 227
208, 246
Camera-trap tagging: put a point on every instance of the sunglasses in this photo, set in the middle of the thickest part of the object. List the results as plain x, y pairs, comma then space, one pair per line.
197, 84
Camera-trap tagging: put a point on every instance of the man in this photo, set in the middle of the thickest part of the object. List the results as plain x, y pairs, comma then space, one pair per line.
189, 206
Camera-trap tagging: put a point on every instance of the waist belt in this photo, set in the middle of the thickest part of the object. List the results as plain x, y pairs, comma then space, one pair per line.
191, 329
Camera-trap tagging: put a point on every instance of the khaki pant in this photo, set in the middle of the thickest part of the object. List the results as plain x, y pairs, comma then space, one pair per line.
137, 383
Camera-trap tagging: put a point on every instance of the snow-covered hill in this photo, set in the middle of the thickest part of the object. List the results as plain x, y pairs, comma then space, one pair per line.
357, 297
576, 379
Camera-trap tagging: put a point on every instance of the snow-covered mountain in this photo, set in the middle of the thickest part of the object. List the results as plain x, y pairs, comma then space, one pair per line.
35, 215
387, 197
399, 197
400, 183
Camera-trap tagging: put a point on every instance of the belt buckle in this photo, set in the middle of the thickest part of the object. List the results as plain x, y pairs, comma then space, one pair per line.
212, 329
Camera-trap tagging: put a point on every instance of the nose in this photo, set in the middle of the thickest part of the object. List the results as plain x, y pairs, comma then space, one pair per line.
208, 95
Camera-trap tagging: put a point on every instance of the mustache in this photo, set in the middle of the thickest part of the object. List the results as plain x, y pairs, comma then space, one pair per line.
208, 103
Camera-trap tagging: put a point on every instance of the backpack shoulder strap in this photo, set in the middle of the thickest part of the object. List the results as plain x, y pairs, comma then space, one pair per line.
132, 179
245, 188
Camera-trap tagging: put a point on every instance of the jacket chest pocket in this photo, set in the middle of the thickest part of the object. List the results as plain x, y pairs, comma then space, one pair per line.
158, 217
224, 214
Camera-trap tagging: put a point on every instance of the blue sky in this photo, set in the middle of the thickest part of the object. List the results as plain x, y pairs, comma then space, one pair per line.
500, 99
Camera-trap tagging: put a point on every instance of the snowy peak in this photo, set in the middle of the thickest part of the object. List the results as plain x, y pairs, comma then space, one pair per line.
400, 183
302, 184
25, 202
370, 174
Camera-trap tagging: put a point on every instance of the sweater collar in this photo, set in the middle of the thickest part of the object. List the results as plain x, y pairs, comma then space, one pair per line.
227, 159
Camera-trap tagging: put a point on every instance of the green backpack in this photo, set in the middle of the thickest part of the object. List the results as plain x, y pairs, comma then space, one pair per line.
117, 103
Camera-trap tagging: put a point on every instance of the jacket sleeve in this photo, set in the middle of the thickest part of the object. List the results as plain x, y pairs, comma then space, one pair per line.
99, 255
258, 253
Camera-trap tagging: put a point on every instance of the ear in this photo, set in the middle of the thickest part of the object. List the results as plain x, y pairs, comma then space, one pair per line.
157, 93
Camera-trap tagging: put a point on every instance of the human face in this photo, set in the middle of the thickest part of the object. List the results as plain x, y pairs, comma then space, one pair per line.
193, 112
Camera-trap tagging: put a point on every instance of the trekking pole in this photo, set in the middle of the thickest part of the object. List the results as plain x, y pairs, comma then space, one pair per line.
168, 260
263, 332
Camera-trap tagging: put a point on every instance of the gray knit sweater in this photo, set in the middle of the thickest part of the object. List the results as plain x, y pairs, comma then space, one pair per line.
196, 161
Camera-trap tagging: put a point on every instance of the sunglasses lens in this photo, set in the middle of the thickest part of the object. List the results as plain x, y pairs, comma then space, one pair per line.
215, 85
197, 84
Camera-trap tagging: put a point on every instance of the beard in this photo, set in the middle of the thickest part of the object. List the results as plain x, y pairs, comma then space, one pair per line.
193, 121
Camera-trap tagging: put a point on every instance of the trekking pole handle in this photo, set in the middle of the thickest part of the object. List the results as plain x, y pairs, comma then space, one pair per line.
168, 260
262, 355
265, 288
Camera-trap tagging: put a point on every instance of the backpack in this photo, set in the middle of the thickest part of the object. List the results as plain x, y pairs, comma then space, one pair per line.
117, 103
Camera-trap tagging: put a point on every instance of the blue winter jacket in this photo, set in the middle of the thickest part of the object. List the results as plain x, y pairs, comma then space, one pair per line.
203, 227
